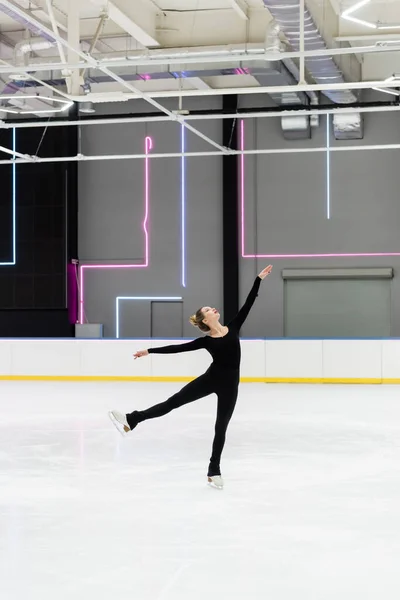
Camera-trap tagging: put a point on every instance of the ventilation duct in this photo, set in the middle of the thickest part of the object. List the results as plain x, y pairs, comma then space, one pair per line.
272, 41
42, 40
323, 69
292, 127
348, 126
296, 127
270, 74
87, 108
32, 45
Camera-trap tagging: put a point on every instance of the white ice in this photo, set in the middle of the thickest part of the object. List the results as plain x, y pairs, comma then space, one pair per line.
310, 509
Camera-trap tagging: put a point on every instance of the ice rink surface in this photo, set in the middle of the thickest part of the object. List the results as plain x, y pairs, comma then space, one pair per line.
310, 509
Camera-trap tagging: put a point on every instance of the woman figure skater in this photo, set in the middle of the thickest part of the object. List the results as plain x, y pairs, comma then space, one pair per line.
221, 378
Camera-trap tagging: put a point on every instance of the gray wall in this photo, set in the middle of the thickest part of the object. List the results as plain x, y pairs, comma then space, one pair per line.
285, 213
111, 205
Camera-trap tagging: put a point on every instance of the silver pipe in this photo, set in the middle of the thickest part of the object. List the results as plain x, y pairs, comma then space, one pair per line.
55, 30
124, 97
82, 158
260, 115
240, 56
14, 153
95, 38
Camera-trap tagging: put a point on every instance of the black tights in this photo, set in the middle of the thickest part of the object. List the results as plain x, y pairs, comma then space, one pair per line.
224, 384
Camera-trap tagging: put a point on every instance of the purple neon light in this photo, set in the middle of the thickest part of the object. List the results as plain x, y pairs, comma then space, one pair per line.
244, 255
72, 291
83, 268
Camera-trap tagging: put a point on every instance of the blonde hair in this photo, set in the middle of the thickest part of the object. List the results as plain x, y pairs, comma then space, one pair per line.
197, 321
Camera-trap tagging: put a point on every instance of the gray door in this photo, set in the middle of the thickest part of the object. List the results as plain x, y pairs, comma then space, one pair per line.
337, 308
134, 318
166, 319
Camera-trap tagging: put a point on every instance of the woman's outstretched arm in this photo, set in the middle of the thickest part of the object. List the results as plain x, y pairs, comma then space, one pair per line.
240, 318
173, 349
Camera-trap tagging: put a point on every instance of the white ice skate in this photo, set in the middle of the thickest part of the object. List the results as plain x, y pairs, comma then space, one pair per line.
216, 481
120, 422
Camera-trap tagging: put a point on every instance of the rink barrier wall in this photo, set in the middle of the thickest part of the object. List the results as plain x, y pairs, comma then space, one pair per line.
264, 361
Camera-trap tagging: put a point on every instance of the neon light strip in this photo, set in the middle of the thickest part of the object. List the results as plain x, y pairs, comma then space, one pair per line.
183, 206
242, 180
148, 147
14, 200
328, 169
333, 255
118, 298
14, 206
83, 268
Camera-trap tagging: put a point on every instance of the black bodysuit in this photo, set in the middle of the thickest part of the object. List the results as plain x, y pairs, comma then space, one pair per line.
221, 378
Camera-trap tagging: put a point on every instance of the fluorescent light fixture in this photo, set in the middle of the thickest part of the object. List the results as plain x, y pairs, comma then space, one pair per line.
361, 22
138, 298
382, 27
294, 256
101, 98
387, 91
64, 105
148, 147
355, 7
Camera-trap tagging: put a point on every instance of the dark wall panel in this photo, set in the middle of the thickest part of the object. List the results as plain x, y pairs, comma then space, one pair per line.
43, 233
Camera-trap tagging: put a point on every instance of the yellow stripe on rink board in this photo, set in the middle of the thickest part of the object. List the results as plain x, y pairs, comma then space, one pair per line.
105, 378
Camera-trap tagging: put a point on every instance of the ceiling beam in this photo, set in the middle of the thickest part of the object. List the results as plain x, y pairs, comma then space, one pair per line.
42, 13
140, 31
73, 81
240, 8
198, 83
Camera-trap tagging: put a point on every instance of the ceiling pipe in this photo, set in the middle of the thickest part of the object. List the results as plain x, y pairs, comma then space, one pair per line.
57, 38
238, 53
204, 117
152, 156
99, 29
31, 45
125, 97
273, 44
13, 153
55, 30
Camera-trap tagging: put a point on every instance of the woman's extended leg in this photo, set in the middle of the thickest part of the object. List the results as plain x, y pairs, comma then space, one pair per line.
199, 388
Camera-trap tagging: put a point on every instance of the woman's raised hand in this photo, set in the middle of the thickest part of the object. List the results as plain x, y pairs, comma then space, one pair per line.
140, 353
265, 272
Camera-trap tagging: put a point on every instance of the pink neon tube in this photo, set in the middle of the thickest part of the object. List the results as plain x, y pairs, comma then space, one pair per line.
83, 268
242, 202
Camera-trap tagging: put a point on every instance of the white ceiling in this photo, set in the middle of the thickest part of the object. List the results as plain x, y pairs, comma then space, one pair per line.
203, 23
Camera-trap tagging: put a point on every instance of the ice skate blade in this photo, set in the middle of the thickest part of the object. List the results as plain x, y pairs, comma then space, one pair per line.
118, 426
